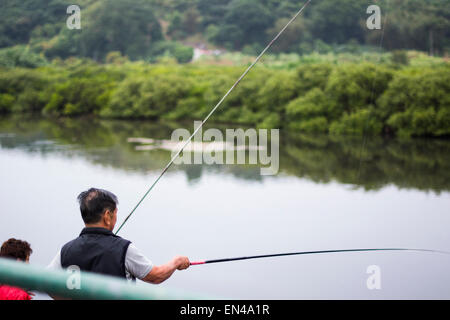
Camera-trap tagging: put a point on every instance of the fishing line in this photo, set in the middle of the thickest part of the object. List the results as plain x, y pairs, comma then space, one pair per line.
212, 111
311, 252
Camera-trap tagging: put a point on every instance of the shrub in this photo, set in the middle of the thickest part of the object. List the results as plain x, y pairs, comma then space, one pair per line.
6, 102
312, 76
356, 86
358, 123
312, 104
417, 102
20, 56
313, 125
75, 97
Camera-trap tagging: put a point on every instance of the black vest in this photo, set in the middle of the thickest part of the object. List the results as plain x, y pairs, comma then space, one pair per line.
96, 250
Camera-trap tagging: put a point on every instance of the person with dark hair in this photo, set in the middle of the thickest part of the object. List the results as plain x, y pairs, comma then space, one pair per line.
98, 249
18, 250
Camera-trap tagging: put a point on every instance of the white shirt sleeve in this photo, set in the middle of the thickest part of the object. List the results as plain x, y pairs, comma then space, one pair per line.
56, 262
136, 263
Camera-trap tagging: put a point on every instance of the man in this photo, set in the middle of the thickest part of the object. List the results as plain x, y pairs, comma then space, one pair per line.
20, 251
97, 249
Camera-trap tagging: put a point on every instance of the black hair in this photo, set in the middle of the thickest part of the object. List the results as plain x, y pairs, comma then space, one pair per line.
94, 202
16, 249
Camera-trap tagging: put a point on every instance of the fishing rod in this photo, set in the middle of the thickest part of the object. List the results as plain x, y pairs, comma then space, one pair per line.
312, 252
210, 114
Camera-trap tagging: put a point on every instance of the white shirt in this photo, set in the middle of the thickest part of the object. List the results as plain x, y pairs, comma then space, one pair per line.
136, 264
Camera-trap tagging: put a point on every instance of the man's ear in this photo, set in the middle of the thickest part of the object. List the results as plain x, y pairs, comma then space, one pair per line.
106, 217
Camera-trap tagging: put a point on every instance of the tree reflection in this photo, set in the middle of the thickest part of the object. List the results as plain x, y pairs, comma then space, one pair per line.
422, 164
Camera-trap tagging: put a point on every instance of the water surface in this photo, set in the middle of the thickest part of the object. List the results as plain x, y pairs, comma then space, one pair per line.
330, 194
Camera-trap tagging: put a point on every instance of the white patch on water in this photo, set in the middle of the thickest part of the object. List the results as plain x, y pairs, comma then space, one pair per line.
194, 146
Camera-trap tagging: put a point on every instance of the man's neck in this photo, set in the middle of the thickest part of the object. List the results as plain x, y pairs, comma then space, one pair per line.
97, 225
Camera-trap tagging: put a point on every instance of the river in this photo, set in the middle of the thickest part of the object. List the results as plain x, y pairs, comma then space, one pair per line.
330, 193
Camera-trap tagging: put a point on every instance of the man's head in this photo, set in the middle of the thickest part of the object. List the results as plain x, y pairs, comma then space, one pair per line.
16, 249
98, 208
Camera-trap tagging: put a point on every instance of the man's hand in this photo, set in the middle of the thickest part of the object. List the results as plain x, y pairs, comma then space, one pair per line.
181, 262
161, 273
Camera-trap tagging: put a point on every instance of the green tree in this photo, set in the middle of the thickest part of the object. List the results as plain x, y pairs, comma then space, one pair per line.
338, 21
423, 25
296, 33
20, 56
19, 18
6, 102
418, 102
111, 25
355, 86
246, 21
212, 11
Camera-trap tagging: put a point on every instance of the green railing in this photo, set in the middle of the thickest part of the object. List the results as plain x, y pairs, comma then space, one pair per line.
82, 285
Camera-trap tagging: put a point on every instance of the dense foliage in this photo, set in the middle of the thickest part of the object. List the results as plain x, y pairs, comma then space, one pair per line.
343, 98
140, 29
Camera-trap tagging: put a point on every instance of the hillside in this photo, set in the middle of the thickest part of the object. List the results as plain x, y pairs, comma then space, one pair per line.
148, 29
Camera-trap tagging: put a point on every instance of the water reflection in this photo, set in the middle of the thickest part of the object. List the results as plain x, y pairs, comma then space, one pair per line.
231, 210
415, 163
